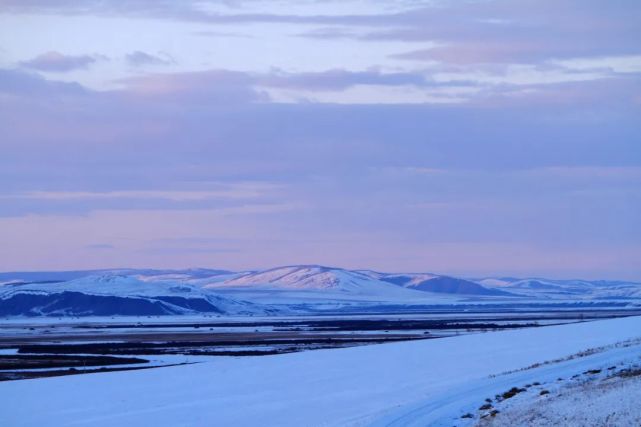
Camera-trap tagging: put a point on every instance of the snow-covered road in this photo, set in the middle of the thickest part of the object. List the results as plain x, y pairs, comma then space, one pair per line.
422, 381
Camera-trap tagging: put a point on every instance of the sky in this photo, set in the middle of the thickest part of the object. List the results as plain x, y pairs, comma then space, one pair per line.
471, 138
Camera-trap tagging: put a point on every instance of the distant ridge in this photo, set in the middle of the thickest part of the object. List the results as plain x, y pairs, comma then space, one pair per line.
282, 290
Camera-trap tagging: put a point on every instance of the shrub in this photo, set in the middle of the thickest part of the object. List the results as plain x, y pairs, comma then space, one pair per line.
631, 372
512, 392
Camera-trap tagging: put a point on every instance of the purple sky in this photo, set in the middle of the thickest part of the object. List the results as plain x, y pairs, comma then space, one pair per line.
463, 137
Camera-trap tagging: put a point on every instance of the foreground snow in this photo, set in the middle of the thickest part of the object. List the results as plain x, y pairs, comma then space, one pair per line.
412, 383
609, 402
452, 407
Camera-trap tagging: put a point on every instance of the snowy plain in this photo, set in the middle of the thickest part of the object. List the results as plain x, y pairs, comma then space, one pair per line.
430, 382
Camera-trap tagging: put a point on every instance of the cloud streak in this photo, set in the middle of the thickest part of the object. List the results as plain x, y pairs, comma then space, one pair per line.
56, 62
241, 191
139, 58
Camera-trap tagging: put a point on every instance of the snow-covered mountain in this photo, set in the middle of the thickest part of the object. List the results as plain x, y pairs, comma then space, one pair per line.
319, 278
115, 294
314, 278
298, 288
186, 275
440, 284
564, 289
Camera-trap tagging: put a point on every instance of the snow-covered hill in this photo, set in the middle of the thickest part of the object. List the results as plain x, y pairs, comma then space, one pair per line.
564, 289
114, 294
356, 282
298, 288
315, 278
440, 284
